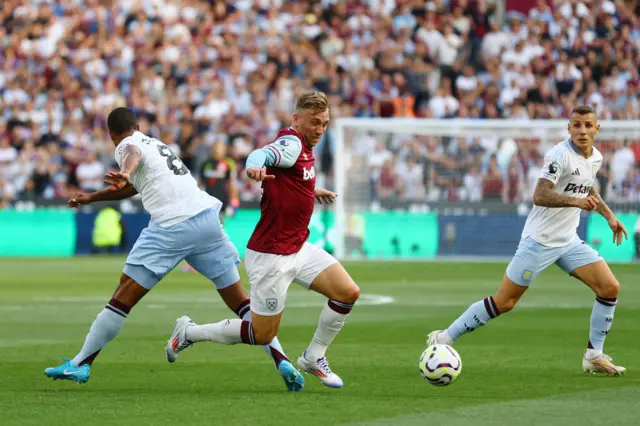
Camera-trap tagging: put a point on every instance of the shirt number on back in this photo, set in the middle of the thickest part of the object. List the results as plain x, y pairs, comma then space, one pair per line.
173, 162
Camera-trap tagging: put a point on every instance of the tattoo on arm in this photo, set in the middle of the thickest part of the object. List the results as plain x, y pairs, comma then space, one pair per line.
545, 196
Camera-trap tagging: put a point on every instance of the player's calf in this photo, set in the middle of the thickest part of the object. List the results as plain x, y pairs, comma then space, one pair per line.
273, 349
480, 313
507, 296
336, 284
263, 335
265, 327
502, 306
227, 332
110, 320
105, 328
473, 318
260, 331
600, 279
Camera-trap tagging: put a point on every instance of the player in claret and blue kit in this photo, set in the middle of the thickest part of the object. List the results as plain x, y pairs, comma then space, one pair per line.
278, 252
564, 189
184, 225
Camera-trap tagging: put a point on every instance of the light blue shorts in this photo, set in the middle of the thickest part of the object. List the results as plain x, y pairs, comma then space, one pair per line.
532, 258
199, 240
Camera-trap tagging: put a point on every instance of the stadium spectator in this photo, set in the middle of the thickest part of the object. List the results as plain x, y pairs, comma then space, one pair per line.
411, 174
6, 193
513, 189
90, 173
492, 181
197, 72
387, 185
472, 189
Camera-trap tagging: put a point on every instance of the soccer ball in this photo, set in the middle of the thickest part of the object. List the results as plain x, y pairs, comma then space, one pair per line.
440, 365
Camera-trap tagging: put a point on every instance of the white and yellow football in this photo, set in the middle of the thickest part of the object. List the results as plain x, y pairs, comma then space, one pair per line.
440, 365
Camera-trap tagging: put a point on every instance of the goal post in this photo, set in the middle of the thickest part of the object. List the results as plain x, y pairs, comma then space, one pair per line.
388, 208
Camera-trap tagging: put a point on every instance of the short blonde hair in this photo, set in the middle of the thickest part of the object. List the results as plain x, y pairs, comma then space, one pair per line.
314, 101
583, 110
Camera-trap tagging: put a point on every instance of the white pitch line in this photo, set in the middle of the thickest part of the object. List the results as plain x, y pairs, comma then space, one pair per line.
305, 300
29, 342
157, 306
15, 307
160, 302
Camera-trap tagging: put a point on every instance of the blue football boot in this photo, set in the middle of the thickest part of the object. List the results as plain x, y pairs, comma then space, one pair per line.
68, 371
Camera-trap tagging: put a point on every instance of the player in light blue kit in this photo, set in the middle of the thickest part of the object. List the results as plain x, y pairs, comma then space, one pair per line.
565, 187
184, 225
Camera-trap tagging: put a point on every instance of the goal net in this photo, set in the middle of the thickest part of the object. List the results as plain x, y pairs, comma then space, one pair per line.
423, 188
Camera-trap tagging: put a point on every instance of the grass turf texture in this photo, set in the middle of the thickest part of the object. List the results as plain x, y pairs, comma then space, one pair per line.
523, 368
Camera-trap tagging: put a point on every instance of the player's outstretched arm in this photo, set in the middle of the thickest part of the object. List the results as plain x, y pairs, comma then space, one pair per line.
282, 153
616, 226
256, 162
105, 195
545, 196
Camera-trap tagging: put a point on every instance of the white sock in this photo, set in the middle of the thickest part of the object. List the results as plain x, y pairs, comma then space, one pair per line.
228, 332
331, 322
473, 318
601, 320
105, 327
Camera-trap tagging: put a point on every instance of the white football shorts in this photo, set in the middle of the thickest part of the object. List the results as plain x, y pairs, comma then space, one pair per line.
271, 274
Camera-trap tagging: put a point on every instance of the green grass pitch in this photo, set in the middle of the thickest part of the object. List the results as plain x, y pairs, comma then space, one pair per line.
523, 368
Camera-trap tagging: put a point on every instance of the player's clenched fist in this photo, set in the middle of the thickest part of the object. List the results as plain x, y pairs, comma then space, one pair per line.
259, 174
589, 203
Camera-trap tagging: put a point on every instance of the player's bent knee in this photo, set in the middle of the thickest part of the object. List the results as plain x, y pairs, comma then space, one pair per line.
609, 289
129, 292
506, 305
262, 341
355, 294
615, 287
265, 328
351, 295
508, 295
264, 336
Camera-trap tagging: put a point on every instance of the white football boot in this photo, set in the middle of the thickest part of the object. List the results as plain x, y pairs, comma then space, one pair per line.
320, 369
439, 337
178, 341
598, 362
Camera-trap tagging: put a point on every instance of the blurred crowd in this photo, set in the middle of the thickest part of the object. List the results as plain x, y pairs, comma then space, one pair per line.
199, 72
419, 169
